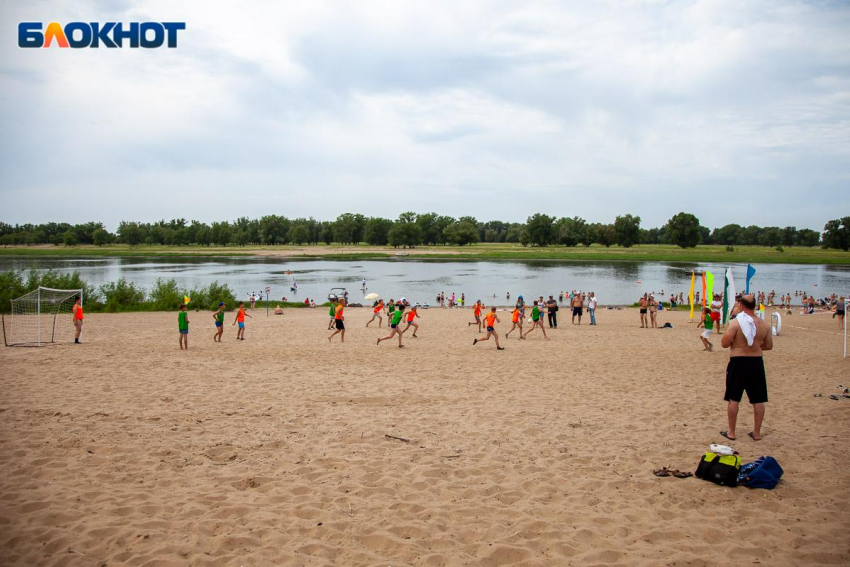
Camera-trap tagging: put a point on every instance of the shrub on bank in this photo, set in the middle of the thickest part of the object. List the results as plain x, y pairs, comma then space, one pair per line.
114, 297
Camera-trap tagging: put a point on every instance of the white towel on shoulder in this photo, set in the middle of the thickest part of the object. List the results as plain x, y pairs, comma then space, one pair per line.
748, 327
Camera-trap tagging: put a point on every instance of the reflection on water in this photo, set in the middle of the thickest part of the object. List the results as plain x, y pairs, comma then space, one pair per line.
613, 282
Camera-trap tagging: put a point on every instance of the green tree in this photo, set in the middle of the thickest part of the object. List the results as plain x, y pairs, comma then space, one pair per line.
430, 230
627, 229
462, 232
344, 228
570, 231
750, 235
789, 236
729, 235
274, 229
101, 237
770, 236
328, 229
70, 238
807, 237
514, 233
299, 232
683, 230
606, 234
405, 232
836, 234
539, 230
221, 233
203, 236
377, 231
130, 233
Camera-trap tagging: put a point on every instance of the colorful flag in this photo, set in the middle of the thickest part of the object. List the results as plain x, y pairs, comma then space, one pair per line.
691, 294
728, 296
709, 284
703, 291
750, 273
186, 299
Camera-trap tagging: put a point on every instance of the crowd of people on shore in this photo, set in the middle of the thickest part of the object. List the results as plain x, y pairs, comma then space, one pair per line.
402, 313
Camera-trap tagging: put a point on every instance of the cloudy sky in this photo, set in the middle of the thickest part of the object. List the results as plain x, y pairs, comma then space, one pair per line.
735, 111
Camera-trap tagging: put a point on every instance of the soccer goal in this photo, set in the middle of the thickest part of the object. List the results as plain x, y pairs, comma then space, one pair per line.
41, 317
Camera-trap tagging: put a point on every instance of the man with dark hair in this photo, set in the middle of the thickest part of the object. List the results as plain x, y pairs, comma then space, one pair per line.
746, 337
552, 312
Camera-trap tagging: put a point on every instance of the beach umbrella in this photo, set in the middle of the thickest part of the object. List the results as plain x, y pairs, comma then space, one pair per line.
371, 297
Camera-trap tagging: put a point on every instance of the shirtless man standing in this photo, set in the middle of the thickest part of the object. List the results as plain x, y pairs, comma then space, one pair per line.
746, 337
578, 307
643, 302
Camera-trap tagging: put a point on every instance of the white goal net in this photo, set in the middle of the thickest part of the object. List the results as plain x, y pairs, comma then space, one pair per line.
41, 317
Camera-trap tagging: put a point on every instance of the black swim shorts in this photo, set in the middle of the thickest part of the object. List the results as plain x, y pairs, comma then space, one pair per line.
746, 374
643, 310
576, 311
339, 324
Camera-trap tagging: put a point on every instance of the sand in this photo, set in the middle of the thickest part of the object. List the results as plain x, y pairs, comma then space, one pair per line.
279, 450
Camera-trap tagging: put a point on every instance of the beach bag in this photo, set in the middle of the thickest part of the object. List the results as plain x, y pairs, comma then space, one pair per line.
719, 469
764, 472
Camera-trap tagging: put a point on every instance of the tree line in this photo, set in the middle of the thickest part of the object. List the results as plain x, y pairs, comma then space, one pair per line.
412, 229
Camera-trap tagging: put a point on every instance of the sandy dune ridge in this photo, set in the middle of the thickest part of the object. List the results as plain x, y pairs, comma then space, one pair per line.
282, 449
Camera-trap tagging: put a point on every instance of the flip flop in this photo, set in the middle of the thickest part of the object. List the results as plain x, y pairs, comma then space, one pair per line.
726, 435
664, 471
753, 437
818, 395
681, 474
834, 397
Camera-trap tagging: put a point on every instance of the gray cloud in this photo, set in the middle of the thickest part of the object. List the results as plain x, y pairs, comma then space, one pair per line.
496, 110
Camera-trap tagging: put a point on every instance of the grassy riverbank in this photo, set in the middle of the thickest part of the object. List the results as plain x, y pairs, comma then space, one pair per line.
485, 251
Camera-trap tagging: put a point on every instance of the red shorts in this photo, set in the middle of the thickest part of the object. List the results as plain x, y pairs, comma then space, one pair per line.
715, 316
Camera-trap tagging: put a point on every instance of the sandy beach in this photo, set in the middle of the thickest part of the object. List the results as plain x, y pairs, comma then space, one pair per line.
286, 450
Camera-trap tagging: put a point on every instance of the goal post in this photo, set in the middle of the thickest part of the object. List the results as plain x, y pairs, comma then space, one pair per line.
41, 317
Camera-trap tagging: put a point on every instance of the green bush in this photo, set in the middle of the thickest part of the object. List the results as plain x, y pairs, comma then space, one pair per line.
119, 296
165, 296
15, 284
123, 296
11, 286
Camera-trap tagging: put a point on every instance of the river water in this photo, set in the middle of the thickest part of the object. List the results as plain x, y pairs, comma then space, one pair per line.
613, 282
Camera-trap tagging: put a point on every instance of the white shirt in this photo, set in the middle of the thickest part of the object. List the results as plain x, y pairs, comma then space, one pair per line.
592, 302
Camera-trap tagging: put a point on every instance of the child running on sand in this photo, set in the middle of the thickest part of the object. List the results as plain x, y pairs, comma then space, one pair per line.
240, 318
516, 318
476, 310
536, 321
332, 314
183, 327
339, 320
491, 319
218, 316
394, 323
377, 312
414, 314
708, 324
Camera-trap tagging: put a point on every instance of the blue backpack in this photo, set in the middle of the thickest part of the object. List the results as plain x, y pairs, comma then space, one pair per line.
764, 472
